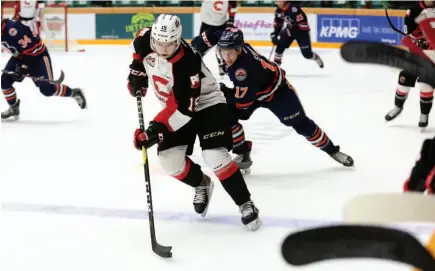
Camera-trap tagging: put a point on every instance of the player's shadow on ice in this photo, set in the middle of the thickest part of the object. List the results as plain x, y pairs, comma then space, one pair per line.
296, 179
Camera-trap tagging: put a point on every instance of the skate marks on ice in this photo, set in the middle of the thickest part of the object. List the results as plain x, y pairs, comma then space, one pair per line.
271, 222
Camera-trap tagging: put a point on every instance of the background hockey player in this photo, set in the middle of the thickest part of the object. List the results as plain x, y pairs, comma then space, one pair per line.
29, 57
261, 83
291, 24
192, 105
422, 177
29, 13
217, 15
406, 80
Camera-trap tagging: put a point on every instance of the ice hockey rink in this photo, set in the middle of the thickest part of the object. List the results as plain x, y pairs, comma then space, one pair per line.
73, 190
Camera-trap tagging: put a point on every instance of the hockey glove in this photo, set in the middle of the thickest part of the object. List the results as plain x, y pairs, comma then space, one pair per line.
150, 136
229, 23
274, 37
20, 70
137, 79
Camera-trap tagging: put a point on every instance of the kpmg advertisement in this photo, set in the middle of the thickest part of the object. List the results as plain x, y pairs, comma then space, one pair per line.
342, 28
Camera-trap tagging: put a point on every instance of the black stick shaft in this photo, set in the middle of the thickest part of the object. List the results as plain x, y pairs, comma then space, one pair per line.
54, 82
146, 172
391, 23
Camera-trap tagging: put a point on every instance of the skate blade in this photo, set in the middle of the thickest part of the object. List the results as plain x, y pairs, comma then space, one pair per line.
255, 225
210, 193
245, 171
11, 119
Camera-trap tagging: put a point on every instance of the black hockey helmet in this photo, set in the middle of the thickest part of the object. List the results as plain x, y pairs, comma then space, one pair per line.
231, 38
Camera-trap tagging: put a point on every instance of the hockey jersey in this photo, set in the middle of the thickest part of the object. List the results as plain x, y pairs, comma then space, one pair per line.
27, 10
255, 78
291, 17
182, 83
217, 13
19, 40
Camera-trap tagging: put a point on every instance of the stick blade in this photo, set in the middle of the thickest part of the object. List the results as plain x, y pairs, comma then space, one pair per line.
386, 208
388, 55
345, 242
61, 77
162, 251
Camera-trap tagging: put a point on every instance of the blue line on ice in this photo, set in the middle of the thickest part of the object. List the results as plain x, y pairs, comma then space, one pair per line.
276, 222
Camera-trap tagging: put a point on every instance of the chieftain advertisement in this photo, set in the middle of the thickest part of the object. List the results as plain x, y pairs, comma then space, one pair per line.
342, 28
125, 26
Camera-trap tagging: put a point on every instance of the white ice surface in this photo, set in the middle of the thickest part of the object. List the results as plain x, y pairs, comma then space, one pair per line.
73, 192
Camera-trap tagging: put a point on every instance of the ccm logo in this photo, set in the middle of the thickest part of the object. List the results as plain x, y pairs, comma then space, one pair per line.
138, 73
292, 116
214, 134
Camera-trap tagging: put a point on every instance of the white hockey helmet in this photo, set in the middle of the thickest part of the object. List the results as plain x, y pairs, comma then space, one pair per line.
167, 28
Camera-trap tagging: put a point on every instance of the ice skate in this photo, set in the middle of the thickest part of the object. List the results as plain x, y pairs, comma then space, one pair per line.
319, 62
342, 158
243, 159
250, 216
393, 113
203, 195
79, 97
13, 113
424, 121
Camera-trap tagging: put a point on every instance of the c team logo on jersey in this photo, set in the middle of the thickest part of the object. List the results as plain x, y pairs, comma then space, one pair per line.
241, 74
218, 5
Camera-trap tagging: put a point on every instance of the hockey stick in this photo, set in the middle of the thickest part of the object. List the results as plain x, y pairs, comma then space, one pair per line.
399, 31
162, 251
271, 52
383, 54
385, 208
345, 242
54, 82
391, 23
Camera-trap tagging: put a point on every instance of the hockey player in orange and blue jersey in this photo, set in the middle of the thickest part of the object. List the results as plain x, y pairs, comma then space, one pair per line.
29, 57
261, 83
291, 24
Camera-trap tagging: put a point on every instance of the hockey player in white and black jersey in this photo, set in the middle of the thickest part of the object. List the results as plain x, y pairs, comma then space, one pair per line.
217, 15
414, 41
193, 105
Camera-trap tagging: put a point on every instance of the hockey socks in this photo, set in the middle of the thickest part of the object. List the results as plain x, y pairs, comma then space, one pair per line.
63, 91
321, 140
10, 95
233, 182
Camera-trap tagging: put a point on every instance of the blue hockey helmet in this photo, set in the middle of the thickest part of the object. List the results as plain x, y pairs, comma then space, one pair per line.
231, 38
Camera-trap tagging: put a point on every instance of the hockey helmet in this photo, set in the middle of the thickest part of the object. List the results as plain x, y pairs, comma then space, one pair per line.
231, 38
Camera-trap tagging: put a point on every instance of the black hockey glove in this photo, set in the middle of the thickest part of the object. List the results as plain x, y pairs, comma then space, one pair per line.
423, 44
137, 79
229, 23
20, 70
150, 136
275, 38
228, 92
